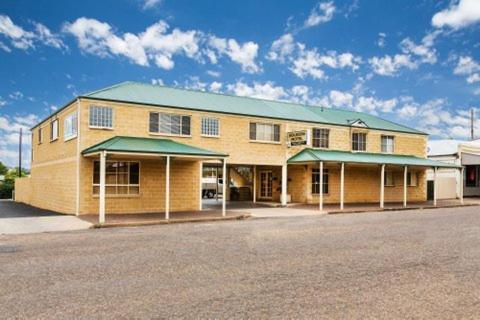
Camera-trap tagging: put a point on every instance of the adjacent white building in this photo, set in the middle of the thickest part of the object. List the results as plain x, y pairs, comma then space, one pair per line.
465, 153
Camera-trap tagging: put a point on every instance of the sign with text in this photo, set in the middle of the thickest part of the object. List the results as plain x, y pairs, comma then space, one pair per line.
298, 138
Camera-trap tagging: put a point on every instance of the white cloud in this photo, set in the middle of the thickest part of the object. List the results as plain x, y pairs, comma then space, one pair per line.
243, 54
214, 74
16, 95
9, 131
341, 99
460, 14
321, 13
4, 47
23, 39
149, 4
267, 90
389, 66
2, 102
215, 86
155, 43
281, 48
382, 40
467, 66
373, 105
407, 111
158, 82
310, 62
424, 51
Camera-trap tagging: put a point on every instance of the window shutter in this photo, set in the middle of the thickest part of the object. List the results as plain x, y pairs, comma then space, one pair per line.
276, 132
153, 123
186, 125
253, 131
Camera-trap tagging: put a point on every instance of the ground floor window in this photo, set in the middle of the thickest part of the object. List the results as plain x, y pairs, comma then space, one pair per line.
121, 177
412, 179
471, 178
316, 181
389, 179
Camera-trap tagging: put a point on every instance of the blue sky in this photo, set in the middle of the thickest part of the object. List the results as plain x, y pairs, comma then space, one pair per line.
413, 62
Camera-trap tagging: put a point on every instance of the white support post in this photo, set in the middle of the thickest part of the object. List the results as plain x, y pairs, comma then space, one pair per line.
216, 184
200, 202
284, 185
224, 188
382, 187
435, 186
462, 172
167, 188
342, 185
405, 189
101, 210
254, 184
320, 194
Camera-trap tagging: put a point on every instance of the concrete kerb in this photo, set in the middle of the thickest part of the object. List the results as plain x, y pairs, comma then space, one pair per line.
404, 209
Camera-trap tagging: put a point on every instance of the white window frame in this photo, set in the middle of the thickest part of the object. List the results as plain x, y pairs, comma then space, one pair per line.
54, 130
272, 134
101, 126
209, 124
128, 185
70, 122
359, 133
315, 183
386, 145
166, 133
321, 138
412, 182
390, 174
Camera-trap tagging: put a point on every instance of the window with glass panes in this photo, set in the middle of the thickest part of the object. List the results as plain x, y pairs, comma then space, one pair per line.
169, 123
316, 181
54, 130
70, 126
101, 117
359, 141
389, 180
264, 132
412, 179
210, 127
121, 177
388, 144
320, 138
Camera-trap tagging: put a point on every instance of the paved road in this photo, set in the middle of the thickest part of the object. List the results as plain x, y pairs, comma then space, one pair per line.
374, 265
11, 209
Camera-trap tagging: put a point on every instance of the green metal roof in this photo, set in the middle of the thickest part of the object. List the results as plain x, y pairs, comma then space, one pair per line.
141, 93
149, 145
315, 155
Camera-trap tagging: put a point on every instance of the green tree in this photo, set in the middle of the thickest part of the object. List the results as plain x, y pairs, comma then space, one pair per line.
3, 169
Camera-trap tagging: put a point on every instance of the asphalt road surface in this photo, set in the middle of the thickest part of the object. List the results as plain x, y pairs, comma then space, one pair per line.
412, 264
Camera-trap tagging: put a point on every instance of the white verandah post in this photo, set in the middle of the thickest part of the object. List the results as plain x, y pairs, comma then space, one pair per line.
101, 209
200, 202
342, 185
167, 188
284, 185
224, 188
435, 186
405, 187
254, 184
320, 194
462, 172
382, 187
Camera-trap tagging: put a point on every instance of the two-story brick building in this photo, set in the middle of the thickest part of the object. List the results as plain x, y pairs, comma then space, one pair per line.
138, 148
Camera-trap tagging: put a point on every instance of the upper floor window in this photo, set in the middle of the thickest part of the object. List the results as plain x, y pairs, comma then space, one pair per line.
359, 141
168, 123
316, 181
210, 127
264, 132
54, 130
40, 135
388, 144
101, 117
70, 126
320, 138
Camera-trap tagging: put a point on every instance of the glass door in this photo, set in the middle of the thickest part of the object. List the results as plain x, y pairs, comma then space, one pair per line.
266, 184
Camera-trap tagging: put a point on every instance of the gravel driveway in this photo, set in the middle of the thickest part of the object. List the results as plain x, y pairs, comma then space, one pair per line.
374, 265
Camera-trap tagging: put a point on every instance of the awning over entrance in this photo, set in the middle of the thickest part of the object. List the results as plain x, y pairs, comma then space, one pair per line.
123, 144
316, 155
149, 147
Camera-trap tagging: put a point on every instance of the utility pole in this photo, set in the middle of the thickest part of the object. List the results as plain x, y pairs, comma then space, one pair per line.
472, 124
20, 154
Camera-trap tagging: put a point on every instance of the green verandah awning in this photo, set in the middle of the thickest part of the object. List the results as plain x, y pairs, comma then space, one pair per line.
316, 155
150, 146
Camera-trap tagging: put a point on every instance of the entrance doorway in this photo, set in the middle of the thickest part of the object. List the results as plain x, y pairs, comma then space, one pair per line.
266, 184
